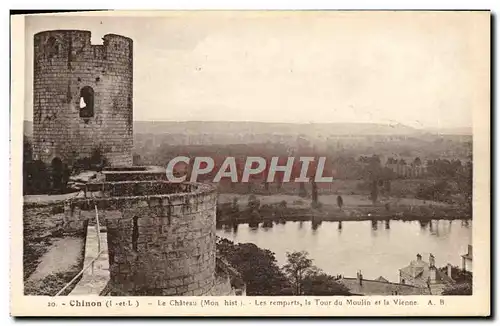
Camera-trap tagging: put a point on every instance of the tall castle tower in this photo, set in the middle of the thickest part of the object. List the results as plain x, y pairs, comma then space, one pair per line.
82, 97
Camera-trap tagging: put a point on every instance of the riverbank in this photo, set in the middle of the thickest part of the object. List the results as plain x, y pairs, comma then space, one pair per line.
377, 248
237, 210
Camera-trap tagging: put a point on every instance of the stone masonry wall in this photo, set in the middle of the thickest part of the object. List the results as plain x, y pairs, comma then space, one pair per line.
65, 61
159, 244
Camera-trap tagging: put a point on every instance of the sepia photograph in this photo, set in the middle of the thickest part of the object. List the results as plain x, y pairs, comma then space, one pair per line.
254, 154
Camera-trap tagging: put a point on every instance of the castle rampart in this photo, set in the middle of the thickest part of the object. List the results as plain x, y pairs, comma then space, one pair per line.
161, 236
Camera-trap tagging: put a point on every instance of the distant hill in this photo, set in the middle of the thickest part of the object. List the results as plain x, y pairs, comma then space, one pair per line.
28, 128
465, 131
259, 128
154, 141
236, 127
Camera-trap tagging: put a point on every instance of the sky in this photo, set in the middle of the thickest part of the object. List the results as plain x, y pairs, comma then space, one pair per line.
419, 69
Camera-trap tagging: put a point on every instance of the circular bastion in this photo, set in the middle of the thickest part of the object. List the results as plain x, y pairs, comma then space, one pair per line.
161, 236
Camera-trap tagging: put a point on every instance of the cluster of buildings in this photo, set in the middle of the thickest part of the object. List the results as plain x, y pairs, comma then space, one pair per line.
419, 277
402, 169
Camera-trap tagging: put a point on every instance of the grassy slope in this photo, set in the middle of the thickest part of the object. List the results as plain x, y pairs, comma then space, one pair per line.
42, 228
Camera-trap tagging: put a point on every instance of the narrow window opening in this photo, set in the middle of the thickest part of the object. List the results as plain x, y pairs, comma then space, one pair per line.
52, 48
86, 102
135, 233
130, 110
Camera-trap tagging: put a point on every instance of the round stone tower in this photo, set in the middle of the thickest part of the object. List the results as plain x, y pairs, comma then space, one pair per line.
161, 238
82, 97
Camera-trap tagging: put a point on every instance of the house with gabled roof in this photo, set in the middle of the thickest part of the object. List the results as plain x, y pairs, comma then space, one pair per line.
378, 286
425, 274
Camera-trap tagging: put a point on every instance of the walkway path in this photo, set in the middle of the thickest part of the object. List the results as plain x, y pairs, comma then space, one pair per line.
95, 278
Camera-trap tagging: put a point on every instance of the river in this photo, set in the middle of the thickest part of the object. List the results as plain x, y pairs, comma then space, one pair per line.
376, 248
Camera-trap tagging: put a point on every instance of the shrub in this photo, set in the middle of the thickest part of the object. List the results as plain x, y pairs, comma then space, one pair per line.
437, 192
36, 178
458, 289
253, 202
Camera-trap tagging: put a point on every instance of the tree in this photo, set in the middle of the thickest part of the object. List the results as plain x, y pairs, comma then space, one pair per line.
281, 210
437, 192
464, 183
373, 167
319, 283
280, 182
463, 281
253, 203
258, 267
57, 175
307, 279
97, 159
27, 150
387, 187
27, 159
374, 192
136, 159
37, 178
302, 190
340, 202
458, 274
297, 267
235, 207
255, 218
314, 193
444, 168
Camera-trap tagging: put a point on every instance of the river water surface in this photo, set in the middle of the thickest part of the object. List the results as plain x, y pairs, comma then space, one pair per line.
375, 248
